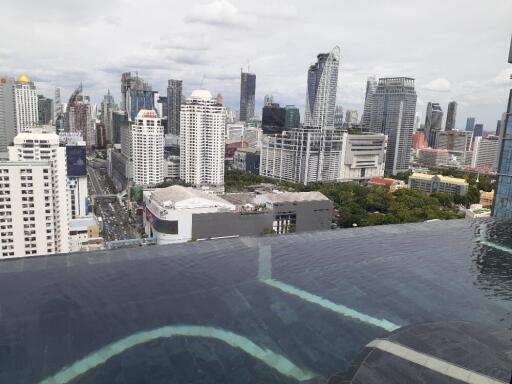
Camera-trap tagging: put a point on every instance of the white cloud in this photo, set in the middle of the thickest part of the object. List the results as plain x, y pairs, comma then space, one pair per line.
219, 13
438, 85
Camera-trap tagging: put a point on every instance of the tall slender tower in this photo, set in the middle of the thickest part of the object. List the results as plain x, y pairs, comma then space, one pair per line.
247, 95
174, 93
433, 122
321, 91
393, 112
371, 88
451, 116
26, 104
136, 95
502, 206
202, 140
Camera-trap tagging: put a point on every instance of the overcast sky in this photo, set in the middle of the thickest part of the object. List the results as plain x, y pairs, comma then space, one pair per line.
455, 49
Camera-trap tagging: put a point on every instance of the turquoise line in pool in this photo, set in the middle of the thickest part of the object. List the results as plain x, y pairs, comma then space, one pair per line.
484, 241
91, 361
265, 276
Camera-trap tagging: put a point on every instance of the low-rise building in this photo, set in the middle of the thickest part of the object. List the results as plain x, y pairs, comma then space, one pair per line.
438, 183
247, 159
83, 233
477, 211
179, 214
391, 184
486, 198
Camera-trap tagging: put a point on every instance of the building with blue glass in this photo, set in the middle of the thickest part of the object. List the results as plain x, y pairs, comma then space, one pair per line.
136, 95
503, 197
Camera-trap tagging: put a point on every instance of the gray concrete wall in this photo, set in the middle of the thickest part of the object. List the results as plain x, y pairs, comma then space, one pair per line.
208, 225
311, 215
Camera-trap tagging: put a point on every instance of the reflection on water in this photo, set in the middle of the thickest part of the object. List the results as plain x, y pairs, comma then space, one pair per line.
493, 257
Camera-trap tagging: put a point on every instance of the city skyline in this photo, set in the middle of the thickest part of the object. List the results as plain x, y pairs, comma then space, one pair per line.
204, 45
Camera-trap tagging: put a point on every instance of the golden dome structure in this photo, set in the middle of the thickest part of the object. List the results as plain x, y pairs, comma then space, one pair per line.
23, 79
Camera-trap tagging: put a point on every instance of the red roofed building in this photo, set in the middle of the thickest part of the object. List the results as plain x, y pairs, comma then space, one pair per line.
390, 184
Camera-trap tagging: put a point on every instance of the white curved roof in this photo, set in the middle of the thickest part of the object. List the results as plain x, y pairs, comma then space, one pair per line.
201, 94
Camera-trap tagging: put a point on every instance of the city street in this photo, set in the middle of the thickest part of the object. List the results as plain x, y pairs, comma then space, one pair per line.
114, 214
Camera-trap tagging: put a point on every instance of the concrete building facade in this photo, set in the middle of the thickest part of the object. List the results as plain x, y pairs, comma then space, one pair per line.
26, 104
437, 183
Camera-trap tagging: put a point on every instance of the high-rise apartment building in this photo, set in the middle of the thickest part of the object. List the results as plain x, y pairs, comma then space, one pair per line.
371, 88
202, 140
174, 94
393, 112
502, 206
26, 104
451, 116
44, 110
321, 90
33, 199
485, 152
247, 95
147, 148
292, 119
338, 117
136, 95
433, 122
470, 124
7, 113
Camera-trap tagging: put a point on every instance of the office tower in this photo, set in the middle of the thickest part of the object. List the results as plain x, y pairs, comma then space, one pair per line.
501, 124
202, 140
338, 117
7, 113
273, 118
174, 94
451, 116
44, 110
433, 122
458, 145
247, 95
417, 123
321, 90
393, 112
219, 99
502, 206
268, 100
351, 117
108, 106
470, 124
58, 110
26, 104
80, 116
485, 152
292, 119
371, 88
478, 130
36, 218
147, 148
136, 94
119, 120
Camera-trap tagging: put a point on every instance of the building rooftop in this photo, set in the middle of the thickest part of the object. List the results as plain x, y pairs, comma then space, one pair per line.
292, 197
299, 308
176, 193
82, 222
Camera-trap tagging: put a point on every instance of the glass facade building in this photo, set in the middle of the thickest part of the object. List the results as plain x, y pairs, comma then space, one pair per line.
502, 206
247, 95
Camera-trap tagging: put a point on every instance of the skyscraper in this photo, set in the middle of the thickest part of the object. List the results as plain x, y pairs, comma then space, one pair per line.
321, 90
108, 106
338, 117
247, 95
393, 111
44, 110
451, 116
470, 124
80, 116
7, 113
433, 122
26, 104
371, 88
478, 130
147, 147
136, 94
174, 94
292, 119
268, 100
502, 206
273, 118
202, 140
